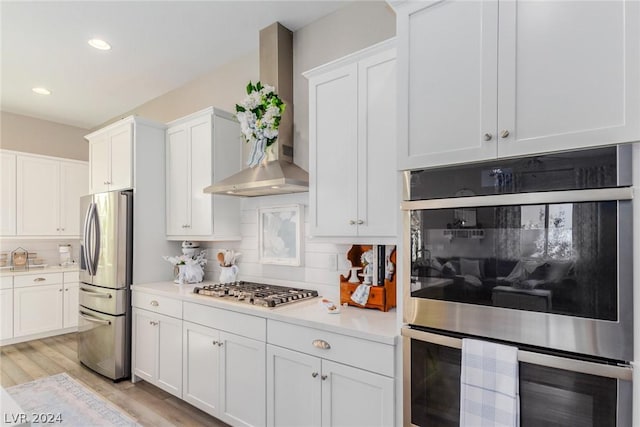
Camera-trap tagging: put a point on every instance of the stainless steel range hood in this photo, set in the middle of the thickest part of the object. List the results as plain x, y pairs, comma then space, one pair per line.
278, 175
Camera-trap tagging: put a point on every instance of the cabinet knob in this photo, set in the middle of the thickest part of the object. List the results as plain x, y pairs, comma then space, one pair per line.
220, 343
321, 344
67, 289
57, 229
487, 136
154, 303
214, 342
324, 377
504, 133
352, 222
360, 222
60, 290
62, 229
314, 374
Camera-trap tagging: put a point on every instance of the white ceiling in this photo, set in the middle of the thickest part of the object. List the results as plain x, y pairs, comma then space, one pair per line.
157, 47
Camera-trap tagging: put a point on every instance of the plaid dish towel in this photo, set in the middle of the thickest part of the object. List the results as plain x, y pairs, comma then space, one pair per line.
489, 393
361, 294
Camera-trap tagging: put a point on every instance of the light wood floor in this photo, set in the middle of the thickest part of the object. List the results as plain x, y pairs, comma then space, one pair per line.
147, 404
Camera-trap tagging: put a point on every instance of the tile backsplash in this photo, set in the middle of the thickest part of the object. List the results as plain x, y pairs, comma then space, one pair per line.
321, 263
46, 249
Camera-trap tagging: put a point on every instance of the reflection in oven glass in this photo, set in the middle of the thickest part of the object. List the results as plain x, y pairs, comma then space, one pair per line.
554, 258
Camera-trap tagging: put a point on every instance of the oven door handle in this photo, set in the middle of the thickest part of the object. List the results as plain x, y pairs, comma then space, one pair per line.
543, 197
598, 369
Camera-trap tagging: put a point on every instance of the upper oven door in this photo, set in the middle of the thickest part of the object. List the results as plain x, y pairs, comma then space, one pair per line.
551, 269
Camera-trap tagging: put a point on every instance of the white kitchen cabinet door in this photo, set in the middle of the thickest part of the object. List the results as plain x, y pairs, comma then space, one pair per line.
202, 148
333, 160
73, 185
100, 164
6, 314
569, 75
201, 176
110, 159
178, 177
201, 381
145, 344
377, 151
447, 68
169, 376
121, 157
293, 388
354, 397
70, 303
7, 194
157, 353
242, 380
38, 212
37, 309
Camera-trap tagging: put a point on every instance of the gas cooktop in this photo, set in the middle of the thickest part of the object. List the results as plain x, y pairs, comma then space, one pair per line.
256, 293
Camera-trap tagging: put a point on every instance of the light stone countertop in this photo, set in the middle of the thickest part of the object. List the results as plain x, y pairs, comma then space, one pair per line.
39, 270
373, 325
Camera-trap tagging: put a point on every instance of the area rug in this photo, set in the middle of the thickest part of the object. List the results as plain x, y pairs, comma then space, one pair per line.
69, 403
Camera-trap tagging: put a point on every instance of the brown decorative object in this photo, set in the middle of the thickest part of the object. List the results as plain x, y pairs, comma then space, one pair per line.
380, 297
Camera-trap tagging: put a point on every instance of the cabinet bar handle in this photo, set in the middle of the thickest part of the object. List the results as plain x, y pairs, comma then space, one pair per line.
39, 279
154, 303
321, 344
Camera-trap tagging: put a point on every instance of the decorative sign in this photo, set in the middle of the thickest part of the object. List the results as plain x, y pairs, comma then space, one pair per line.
279, 231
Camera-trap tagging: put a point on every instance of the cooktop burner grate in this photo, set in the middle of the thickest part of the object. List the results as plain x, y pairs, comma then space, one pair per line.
256, 293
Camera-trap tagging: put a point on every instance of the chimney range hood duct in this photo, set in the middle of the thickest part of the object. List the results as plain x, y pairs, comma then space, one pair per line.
278, 175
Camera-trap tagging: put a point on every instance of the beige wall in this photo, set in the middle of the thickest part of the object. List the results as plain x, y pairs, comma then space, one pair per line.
354, 27
222, 88
31, 135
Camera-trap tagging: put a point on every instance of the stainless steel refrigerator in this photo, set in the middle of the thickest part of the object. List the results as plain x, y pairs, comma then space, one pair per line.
106, 247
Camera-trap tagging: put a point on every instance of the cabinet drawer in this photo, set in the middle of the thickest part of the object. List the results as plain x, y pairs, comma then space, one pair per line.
71, 276
158, 304
225, 320
364, 354
37, 279
6, 282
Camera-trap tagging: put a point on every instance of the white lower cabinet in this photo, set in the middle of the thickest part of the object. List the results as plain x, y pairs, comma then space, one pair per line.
6, 307
223, 371
305, 388
37, 309
157, 357
70, 301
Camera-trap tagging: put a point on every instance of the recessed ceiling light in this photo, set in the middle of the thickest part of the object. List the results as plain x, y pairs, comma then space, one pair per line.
99, 44
41, 91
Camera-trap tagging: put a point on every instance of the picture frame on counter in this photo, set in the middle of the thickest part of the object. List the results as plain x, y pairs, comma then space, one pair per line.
279, 235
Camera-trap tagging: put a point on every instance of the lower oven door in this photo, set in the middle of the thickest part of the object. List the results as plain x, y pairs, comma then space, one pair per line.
103, 343
554, 391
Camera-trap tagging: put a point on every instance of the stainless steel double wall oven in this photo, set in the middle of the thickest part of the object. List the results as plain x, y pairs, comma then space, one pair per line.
533, 252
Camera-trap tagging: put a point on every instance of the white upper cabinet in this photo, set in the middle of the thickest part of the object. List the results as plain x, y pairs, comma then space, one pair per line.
202, 148
48, 196
110, 157
7, 194
352, 132
539, 76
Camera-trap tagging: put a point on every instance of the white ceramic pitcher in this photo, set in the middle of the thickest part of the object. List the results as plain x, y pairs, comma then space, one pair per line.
228, 274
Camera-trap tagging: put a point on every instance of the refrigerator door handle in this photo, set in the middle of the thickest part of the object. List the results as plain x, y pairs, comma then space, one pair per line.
95, 225
87, 239
93, 319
